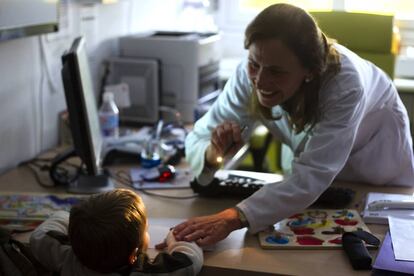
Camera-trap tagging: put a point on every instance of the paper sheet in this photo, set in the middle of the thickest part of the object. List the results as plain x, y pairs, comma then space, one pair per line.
402, 229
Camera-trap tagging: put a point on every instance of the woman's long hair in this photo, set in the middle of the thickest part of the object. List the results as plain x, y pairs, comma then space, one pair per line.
298, 31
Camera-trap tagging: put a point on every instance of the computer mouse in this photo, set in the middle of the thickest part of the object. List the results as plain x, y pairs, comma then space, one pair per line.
161, 173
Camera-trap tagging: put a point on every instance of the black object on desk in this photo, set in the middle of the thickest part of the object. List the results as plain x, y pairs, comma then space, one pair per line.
118, 157
335, 197
355, 249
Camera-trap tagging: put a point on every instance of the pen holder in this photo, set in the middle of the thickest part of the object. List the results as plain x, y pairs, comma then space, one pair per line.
151, 155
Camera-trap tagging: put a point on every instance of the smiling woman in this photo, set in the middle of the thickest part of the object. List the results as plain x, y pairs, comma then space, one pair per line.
340, 114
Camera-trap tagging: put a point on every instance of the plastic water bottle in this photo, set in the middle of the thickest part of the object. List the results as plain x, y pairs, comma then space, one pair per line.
109, 116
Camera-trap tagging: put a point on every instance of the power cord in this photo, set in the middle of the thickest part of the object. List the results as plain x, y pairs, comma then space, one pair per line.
37, 176
61, 175
124, 178
56, 168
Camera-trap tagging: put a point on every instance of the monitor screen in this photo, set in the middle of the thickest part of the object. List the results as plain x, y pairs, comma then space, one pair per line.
20, 18
82, 106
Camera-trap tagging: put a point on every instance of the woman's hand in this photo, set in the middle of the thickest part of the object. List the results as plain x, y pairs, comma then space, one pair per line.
208, 230
226, 140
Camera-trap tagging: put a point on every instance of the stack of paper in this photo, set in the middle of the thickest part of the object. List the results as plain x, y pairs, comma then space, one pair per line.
397, 250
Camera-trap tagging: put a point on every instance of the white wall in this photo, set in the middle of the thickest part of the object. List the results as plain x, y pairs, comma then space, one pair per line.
31, 93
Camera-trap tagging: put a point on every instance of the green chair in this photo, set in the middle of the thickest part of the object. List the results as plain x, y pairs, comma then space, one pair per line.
371, 36
263, 155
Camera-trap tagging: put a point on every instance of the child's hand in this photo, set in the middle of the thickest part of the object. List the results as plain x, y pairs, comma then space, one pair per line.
170, 239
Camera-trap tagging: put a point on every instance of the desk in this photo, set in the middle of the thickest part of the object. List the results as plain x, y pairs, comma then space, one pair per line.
243, 256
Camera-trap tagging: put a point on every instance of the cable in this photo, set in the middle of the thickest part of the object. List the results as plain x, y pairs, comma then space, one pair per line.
37, 177
167, 196
124, 178
59, 168
41, 159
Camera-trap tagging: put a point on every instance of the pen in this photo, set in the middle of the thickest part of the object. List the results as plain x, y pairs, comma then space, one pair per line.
221, 158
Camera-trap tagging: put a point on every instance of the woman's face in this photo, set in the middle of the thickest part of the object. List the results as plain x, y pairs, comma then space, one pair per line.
275, 71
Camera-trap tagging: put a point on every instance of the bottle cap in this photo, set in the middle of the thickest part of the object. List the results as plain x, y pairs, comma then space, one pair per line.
108, 96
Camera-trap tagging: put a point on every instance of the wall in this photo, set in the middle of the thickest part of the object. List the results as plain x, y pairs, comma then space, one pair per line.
31, 93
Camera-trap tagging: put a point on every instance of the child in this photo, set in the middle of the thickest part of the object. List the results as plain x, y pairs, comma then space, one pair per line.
108, 234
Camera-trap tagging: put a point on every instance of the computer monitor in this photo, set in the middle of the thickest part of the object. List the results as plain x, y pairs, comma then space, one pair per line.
83, 119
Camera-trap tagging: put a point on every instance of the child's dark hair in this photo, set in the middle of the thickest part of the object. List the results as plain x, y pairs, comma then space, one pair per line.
105, 229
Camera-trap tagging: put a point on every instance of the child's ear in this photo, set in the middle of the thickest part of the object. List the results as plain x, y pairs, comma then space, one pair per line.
133, 257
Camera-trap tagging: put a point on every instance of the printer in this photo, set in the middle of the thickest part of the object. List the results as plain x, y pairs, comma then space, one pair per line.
188, 65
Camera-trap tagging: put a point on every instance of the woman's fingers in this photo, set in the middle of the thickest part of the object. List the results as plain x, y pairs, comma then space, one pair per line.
208, 240
195, 235
236, 132
195, 227
183, 229
208, 230
226, 136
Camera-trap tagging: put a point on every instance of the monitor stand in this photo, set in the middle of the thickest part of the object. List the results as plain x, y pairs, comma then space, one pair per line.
91, 184
85, 183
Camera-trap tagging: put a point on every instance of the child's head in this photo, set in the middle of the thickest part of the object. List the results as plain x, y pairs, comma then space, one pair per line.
108, 230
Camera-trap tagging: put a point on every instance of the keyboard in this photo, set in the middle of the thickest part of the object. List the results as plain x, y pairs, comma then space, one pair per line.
242, 186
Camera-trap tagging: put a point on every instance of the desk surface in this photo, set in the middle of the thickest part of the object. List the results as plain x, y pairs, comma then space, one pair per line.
240, 251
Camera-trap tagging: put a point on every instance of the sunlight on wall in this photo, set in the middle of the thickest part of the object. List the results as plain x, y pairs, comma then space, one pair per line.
403, 9
305, 4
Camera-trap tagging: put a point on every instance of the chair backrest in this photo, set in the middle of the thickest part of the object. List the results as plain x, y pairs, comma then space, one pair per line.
371, 36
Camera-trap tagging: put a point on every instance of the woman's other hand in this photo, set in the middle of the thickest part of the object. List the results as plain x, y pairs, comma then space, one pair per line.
208, 230
226, 140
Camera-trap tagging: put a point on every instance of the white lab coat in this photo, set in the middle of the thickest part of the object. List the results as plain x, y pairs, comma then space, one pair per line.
363, 135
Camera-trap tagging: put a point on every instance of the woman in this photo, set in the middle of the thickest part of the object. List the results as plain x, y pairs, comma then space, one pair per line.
340, 114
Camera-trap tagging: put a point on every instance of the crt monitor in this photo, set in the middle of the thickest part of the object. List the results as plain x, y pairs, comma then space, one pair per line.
83, 118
